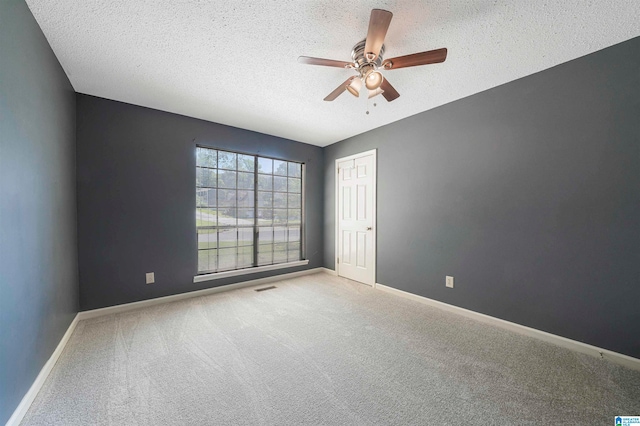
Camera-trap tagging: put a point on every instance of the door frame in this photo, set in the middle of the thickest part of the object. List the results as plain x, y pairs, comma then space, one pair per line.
373, 152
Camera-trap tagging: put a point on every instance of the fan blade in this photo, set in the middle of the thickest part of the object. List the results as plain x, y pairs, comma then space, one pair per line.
339, 89
326, 62
422, 58
389, 92
378, 26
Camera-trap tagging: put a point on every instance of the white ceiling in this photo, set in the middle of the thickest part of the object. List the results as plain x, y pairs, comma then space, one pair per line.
234, 61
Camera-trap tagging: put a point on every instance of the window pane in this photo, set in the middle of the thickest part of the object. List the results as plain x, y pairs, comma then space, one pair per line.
203, 260
294, 200
246, 163
226, 259
206, 157
245, 198
227, 216
279, 183
207, 239
228, 213
228, 237
293, 251
206, 177
227, 197
279, 253
279, 200
279, 257
295, 170
226, 179
265, 254
227, 160
209, 177
294, 233
265, 199
245, 180
295, 185
265, 182
294, 216
279, 235
265, 234
293, 246
280, 216
206, 217
205, 197
245, 257
213, 260
293, 255
198, 177
207, 260
245, 217
245, 237
279, 167
265, 165
265, 216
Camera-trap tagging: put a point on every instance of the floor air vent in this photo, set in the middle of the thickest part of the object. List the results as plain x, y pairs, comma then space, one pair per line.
265, 288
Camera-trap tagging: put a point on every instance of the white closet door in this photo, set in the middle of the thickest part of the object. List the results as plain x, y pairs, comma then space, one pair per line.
356, 248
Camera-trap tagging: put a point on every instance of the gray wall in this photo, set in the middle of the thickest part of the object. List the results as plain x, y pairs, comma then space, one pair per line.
136, 198
528, 194
38, 255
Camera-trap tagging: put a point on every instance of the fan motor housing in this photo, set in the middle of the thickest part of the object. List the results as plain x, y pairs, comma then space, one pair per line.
357, 54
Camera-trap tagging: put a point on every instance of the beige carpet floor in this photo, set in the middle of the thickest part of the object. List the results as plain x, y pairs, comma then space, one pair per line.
321, 350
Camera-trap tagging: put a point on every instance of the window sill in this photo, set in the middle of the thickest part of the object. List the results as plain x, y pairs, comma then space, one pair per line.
247, 271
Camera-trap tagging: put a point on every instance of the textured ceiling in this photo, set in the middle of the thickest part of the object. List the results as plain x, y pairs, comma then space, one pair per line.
234, 62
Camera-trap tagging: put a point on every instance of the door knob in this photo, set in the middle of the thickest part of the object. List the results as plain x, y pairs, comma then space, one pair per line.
369, 228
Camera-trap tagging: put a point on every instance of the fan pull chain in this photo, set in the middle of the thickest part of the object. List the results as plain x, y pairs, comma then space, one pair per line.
374, 105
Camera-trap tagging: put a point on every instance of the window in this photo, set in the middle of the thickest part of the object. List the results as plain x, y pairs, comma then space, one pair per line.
249, 210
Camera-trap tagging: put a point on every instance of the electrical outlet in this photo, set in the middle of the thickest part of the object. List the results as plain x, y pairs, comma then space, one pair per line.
449, 282
151, 278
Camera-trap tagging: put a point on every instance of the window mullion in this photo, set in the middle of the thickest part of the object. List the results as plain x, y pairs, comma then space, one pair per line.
256, 234
286, 226
217, 217
302, 201
237, 214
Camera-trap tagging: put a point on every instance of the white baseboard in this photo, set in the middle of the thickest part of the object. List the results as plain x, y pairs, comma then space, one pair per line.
31, 394
166, 299
329, 271
574, 345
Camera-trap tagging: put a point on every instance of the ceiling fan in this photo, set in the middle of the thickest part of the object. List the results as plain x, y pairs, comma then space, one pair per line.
367, 56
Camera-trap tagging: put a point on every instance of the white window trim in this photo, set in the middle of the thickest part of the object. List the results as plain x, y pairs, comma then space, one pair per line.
247, 271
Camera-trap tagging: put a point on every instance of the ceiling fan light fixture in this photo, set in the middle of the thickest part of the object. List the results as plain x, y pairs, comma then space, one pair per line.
373, 79
374, 93
355, 86
368, 60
